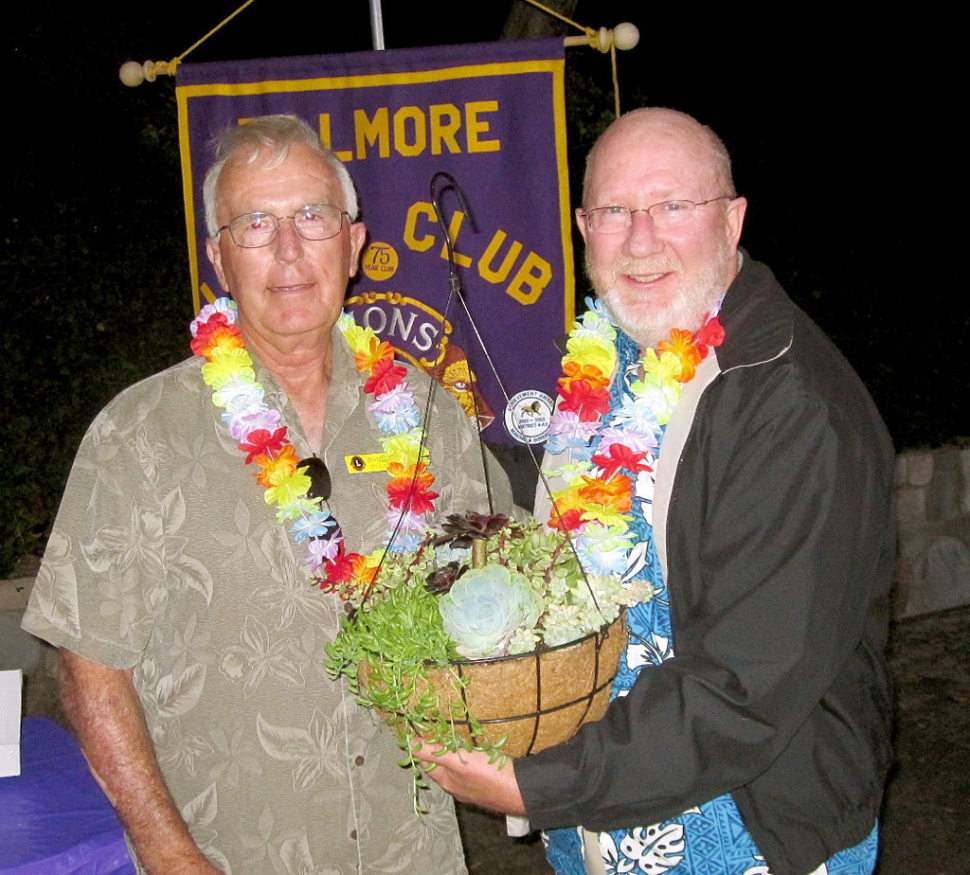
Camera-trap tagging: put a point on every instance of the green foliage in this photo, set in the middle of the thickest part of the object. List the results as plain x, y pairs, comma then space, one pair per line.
392, 645
394, 639
96, 297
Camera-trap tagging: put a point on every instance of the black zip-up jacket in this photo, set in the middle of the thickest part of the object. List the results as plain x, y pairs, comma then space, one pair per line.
773, 523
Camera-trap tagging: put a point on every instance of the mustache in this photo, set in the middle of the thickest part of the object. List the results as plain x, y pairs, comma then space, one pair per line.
631, 267
642, 266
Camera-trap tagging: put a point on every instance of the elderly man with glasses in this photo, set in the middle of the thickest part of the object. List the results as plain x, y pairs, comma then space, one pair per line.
710, 439
178, 586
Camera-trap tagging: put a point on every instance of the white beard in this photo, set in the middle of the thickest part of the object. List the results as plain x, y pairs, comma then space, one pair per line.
650, 324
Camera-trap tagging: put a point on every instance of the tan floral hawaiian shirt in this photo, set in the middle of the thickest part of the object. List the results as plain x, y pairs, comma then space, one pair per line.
165, 557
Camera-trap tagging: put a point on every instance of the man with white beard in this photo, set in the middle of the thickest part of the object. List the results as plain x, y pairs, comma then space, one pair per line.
709, 439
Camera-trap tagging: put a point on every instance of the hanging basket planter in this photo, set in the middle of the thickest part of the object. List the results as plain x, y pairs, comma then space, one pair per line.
530, 701
511, 657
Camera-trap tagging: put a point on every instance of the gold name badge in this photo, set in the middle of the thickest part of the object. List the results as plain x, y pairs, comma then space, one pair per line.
367, 463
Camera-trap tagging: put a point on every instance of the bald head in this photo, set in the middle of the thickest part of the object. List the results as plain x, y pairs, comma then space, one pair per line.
697, 142
655, 272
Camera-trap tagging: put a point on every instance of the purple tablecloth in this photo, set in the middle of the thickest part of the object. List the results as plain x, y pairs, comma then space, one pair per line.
54, 819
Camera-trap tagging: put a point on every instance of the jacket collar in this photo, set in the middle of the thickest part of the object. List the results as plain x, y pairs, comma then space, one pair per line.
758, 318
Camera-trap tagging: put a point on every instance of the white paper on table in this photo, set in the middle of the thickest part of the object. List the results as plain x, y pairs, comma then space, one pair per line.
11, 685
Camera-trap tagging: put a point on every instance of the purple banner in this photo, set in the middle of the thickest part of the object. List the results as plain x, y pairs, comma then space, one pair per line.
491, 115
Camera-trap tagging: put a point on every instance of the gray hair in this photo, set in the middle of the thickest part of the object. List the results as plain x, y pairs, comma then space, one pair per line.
270, 133
720, 157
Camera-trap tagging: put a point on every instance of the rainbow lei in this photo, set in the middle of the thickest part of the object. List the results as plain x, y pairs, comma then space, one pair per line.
229, 372
597, 498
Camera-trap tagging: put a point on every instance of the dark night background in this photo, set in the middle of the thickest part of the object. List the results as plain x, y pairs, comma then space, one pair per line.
851, 193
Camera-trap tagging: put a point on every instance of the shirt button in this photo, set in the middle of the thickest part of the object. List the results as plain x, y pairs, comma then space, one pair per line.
353, 834
359, 760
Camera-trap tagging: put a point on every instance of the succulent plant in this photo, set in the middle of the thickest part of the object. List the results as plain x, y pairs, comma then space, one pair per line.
441, 580
485, 607
460, 530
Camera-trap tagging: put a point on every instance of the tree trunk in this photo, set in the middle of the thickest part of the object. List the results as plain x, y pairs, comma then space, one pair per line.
525, 21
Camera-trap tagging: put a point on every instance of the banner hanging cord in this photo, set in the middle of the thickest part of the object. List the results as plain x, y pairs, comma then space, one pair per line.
151, 69
623, 36
178, 60
558, 15
603, 40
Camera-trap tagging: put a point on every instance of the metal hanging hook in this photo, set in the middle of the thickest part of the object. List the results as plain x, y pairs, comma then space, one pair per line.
451, 184
437, 192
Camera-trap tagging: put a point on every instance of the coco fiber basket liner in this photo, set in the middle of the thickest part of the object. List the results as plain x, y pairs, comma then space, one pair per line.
536, 699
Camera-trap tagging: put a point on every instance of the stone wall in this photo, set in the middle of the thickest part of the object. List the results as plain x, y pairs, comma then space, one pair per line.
933, 518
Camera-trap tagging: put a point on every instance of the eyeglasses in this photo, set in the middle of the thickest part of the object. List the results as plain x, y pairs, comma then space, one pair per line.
667, 214
321, 486
312, 222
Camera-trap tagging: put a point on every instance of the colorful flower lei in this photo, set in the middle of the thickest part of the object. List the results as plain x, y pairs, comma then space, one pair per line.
262, 437
599, 489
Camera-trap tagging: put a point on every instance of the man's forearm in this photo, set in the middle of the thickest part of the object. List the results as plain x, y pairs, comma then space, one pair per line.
104, 708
